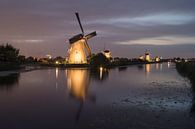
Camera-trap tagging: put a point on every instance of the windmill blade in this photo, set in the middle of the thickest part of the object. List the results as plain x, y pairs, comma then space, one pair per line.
87, 48
77, 15
88, 36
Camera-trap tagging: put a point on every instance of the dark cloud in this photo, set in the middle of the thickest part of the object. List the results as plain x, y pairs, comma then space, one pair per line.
38, 27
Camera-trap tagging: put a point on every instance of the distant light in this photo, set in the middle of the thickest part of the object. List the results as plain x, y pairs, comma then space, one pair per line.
57, 62
141, 57
49, 56
107, 53
157, 59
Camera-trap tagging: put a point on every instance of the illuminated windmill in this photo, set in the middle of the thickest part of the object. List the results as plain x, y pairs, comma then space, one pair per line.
79, 50
147, 56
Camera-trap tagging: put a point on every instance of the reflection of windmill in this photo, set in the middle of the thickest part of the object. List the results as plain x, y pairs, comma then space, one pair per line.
78, 81
79, 49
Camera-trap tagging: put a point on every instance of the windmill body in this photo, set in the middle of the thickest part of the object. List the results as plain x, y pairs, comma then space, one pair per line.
77, 54
79, 49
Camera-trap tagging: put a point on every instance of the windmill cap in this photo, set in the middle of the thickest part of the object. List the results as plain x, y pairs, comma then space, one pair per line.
75, 38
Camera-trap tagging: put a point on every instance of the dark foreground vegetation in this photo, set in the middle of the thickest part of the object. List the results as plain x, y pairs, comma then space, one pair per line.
9, 58
187, 69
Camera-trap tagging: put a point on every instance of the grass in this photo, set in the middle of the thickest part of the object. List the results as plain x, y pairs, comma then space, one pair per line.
187, 69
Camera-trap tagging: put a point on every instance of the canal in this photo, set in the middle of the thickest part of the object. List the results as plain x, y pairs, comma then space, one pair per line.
140, 96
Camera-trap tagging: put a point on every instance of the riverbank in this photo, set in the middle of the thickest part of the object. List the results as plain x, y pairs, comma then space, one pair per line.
187, 69
6, 70
7, 66
110, 65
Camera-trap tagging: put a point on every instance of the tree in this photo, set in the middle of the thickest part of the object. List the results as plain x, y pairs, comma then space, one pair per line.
99, 60
30, 59
21, 58
8, 53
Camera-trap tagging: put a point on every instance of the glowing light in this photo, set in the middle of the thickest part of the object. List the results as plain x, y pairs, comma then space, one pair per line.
57, 62
78, 58
157, 59
77, 53
101, 72
147, 57
48, 56
107, 53
141, 57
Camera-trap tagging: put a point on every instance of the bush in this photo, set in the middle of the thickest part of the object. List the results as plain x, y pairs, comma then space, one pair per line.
99, 60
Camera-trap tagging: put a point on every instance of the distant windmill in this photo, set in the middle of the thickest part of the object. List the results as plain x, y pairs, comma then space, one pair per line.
79, 50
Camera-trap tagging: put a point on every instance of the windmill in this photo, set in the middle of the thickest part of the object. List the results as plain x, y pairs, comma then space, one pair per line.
79, 50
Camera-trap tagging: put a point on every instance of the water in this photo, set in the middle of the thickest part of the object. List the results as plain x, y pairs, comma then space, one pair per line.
145, 96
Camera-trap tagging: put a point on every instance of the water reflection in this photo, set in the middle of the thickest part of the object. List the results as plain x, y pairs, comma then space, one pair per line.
140, 67
168, 64
157, 66
122, 68
161, 66
57, 76
78, 81
57, 73
100, 74
147, 69
9, 82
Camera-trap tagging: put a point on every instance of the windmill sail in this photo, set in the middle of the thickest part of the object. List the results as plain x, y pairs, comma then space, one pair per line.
79, 49
88, 36
87, 48
78, 18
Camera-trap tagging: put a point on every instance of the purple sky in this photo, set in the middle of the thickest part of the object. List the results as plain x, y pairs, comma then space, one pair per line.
126, 27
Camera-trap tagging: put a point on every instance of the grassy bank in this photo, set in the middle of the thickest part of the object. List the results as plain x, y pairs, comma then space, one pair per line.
187, 69
108, 65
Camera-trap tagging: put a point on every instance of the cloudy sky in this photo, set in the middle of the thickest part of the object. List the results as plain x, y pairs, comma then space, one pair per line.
126, 27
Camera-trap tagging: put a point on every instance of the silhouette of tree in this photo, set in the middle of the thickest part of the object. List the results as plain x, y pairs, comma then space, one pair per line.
21, 58
8, 53
99, 60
